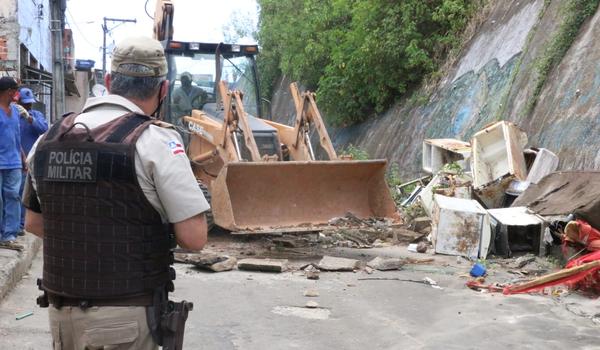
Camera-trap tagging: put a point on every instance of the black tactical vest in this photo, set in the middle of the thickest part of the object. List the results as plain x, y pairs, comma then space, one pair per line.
102, 238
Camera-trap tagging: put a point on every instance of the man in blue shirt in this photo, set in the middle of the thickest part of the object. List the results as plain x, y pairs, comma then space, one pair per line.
11, 161
33, 124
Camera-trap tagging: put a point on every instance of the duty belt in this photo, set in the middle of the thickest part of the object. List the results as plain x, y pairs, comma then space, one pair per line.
60, 301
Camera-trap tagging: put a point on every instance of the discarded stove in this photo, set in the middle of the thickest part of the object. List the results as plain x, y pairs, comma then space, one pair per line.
516, 230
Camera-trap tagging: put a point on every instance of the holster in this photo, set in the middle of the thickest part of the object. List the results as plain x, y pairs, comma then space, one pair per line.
166, 320
42, 300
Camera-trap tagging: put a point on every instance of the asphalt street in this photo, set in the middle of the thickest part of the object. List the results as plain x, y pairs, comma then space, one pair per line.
253, 310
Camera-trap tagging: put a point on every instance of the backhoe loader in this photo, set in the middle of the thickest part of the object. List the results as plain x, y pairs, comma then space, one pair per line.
260, 176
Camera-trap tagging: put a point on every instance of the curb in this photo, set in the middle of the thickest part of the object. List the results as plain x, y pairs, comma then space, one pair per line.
15, 264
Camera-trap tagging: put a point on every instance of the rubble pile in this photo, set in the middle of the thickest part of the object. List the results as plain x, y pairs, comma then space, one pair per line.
352, 232
494, 196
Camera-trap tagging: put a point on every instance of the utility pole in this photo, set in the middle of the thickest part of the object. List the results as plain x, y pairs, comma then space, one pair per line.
57, 23
105, 30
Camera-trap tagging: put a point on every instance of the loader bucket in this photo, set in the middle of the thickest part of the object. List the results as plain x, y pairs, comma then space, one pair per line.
296, 196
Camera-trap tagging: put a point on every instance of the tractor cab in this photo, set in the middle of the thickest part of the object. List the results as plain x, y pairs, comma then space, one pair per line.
195, 69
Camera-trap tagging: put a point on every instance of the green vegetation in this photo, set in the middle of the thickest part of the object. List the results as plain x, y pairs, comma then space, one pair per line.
575, 12
354, 152
359, 56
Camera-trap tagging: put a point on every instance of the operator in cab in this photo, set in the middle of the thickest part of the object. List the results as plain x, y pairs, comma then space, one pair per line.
111, 192
187, 97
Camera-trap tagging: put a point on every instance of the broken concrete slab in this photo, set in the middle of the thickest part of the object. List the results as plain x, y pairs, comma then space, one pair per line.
207, 261
225, 265
311, 293
460, 227
386, 264
264, 265
311, 272
312, 304
330, 263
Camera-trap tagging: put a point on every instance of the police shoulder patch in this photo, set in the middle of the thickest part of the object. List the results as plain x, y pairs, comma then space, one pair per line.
176, 147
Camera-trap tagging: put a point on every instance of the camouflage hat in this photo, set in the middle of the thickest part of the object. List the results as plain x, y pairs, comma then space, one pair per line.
139, 50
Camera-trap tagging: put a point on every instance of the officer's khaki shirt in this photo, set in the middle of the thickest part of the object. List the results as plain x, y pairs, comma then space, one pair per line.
165, 176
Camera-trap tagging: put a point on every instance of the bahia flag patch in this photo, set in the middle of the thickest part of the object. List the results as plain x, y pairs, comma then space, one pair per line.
176, 148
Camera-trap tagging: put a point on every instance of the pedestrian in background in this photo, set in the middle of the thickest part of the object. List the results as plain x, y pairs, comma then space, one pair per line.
11, 161
33, 124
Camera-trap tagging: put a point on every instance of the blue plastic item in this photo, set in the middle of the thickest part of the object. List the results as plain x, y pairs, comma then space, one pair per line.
478, 270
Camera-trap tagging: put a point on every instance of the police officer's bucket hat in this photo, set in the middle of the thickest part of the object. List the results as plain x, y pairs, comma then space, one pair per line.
142, 51
26, 96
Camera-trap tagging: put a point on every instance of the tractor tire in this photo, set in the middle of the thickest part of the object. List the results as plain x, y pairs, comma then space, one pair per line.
210, 220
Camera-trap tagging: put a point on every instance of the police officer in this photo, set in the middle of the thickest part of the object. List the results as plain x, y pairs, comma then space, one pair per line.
104, 188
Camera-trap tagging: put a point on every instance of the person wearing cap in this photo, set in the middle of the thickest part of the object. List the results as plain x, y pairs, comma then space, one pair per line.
110, 190
187, 97
33, 125
11, 162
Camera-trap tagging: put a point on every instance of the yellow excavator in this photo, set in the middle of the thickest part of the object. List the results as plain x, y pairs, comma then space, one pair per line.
261, 176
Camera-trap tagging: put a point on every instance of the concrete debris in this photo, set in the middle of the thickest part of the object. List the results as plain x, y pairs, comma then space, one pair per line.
264, 265
330, 263
11, 245
207, 261
523, 261
312, 305
367, 237
431, 282
420, 224
222, 266
311, 293
288, 242
386, 264
369, 270
311, 272
422, 247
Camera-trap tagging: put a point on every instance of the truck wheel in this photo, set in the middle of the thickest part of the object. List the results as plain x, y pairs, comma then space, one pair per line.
210, 221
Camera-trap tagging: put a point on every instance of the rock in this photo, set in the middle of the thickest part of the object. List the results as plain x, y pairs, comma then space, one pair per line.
311, 293
385, 264
419, 224
312, 304
226, 265
522, 261
265, 265
286, 242
311, 272
368, 270
330, 263
422, 247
